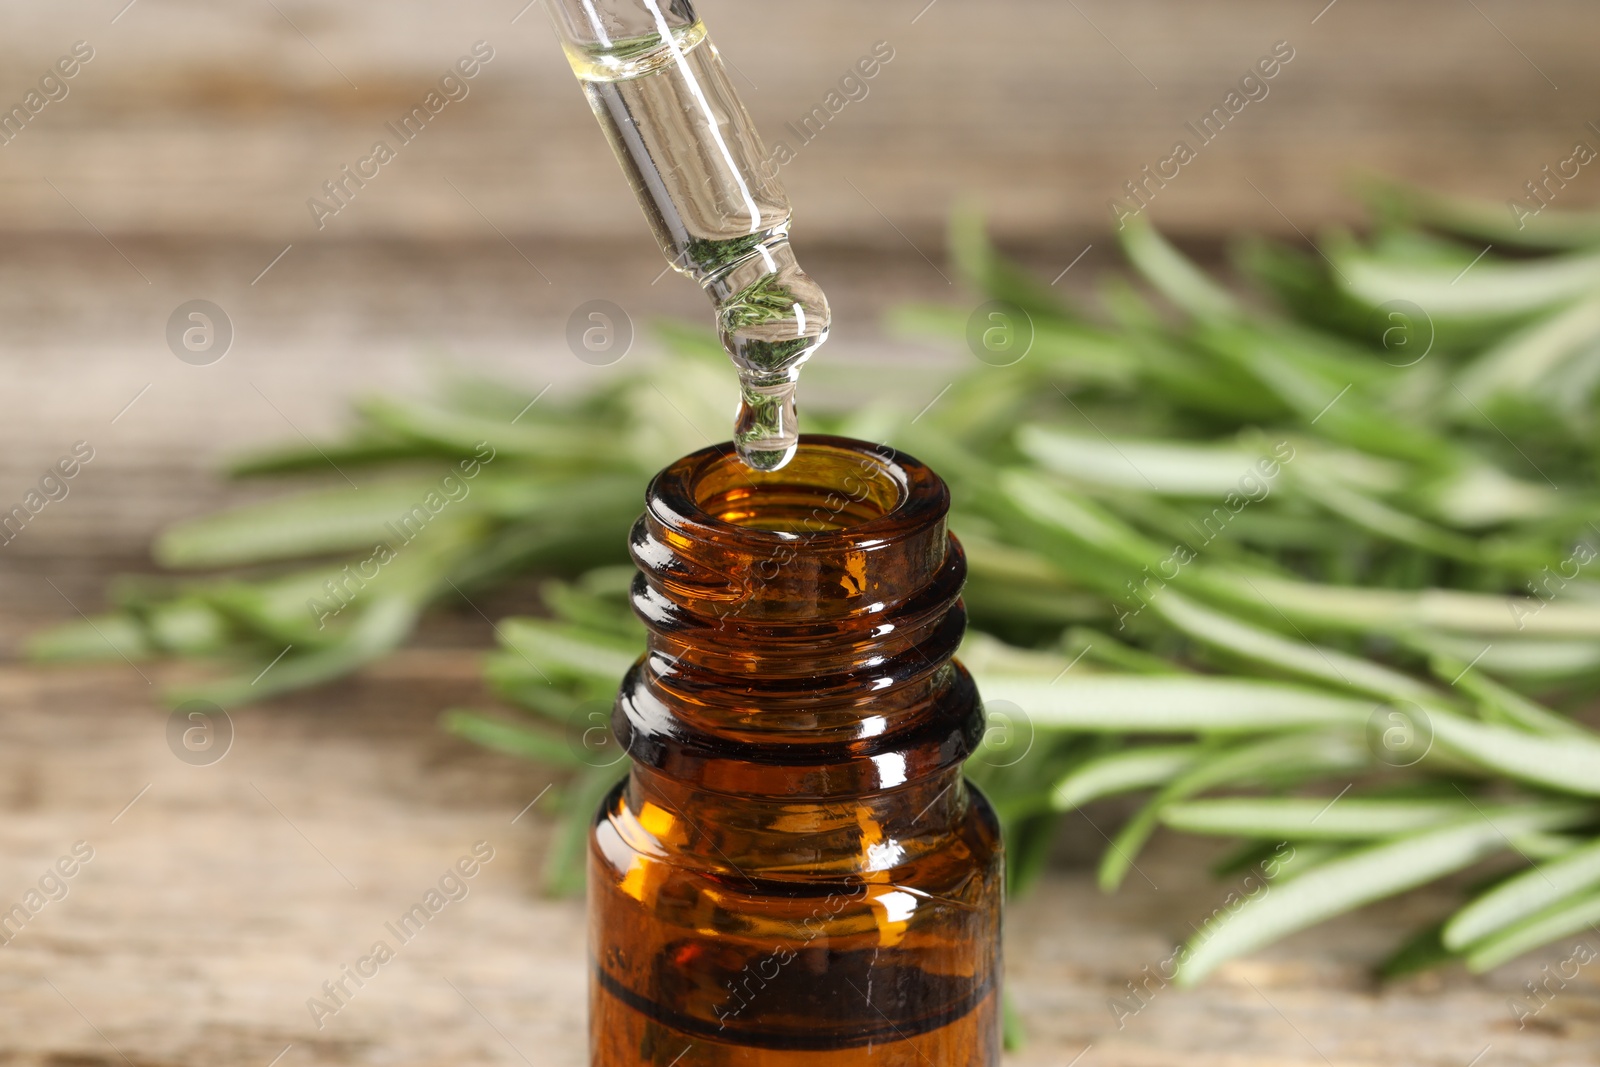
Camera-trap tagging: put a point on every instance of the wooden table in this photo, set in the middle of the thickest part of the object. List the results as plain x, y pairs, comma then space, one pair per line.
209, 120
221, 897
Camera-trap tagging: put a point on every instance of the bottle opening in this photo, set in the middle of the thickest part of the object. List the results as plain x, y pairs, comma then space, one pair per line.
826, 488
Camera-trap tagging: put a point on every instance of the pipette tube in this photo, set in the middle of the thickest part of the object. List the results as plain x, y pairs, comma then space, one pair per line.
710, 191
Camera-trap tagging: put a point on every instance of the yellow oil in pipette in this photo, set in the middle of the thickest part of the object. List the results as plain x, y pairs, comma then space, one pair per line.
711, 194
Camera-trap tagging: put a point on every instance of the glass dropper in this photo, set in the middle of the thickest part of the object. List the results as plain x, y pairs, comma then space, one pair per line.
710, 192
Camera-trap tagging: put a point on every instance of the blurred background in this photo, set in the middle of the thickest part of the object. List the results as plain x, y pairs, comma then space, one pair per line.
176, 164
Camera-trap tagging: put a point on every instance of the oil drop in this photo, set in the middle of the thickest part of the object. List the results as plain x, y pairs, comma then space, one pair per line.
711, 194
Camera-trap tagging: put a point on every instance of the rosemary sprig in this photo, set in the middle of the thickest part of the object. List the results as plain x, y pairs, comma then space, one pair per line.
1314, 578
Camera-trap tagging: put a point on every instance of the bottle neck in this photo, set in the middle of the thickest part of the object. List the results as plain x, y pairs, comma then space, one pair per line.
802, 624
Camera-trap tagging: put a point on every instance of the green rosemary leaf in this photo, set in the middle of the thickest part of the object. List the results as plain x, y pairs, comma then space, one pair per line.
1524, 896
466, 435
1099, 648
975, 257
1085, 523
565, 866
1277, 760
260, 611
381, 628
986, 654
1534, 662
1122, 772
1153, 704
1029, 842
1484, 220
1542, 846
367, 448
1569, 764
690, 342
537, 745
1174, 371
318, 523
1247, 856
1301, 282
1423, 951
1400, 610
1481, 495
564, 705
1325, 665
1578, 912
1528, 359
566, 651
1013, 1030
1367, 875
1494, 289
104, 637
1304, 856
1501, 704
1175, 468
599, 602
1312, 818
1380, 519
1174, 275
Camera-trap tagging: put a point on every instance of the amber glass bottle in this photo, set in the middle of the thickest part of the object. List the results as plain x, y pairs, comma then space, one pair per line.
795, 871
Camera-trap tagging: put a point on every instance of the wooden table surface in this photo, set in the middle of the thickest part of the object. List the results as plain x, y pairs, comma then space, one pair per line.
222, 120
220, 898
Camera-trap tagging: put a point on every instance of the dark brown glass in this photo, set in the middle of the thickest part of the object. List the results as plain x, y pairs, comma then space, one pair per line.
795, 871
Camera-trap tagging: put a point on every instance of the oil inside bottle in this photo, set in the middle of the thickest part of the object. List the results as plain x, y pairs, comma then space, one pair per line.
711, 194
